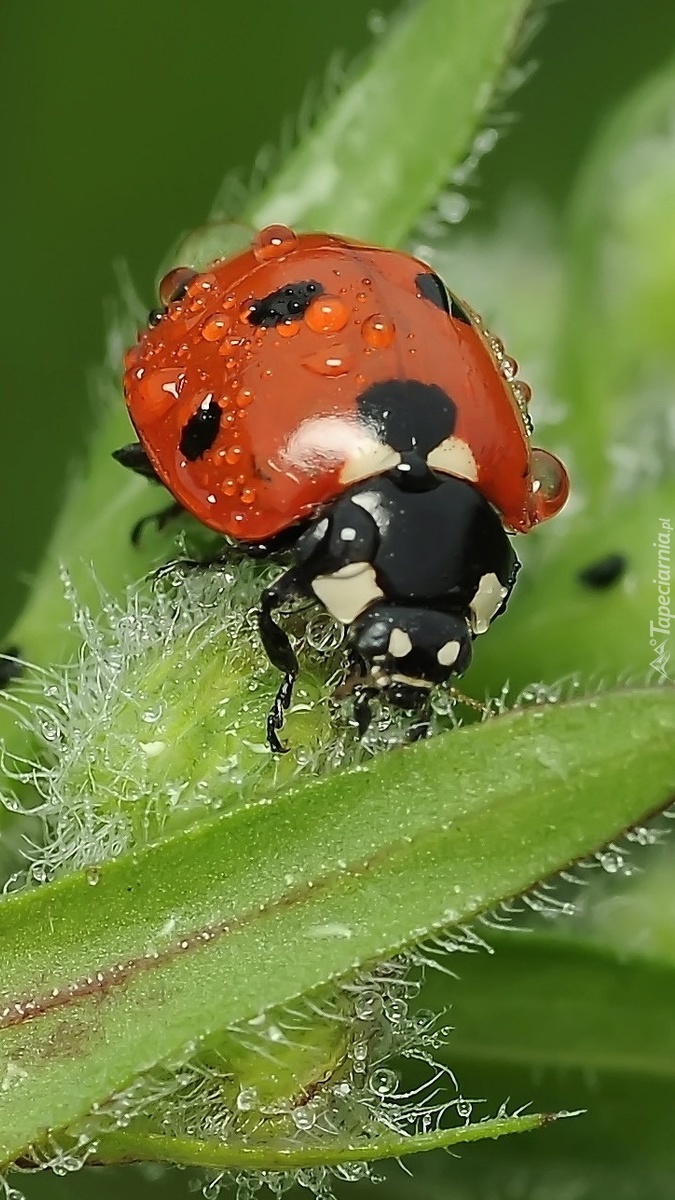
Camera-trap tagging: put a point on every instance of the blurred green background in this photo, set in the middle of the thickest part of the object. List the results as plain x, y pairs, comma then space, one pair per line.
119, 123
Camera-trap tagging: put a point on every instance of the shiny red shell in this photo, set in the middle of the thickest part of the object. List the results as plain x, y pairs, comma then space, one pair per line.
290, 437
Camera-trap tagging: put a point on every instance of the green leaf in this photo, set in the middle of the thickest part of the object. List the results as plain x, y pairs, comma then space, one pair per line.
378, 158
615, 361
124, 1148
569, 1023
181, 939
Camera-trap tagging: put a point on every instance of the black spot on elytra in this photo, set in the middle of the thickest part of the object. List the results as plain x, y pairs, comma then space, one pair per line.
287, 302
458, 312
408, 415
201, 431
10, 667
604, 572
432, 288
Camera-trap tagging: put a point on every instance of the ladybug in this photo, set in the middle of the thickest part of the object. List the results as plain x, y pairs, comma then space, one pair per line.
337, 401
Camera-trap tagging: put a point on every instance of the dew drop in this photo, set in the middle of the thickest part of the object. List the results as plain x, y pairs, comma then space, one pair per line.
396, 1011
378, 332
93, 875
273, 242
288, 328
216, 327
367, 1005
333, 363
247, 495
326, 314
550, 484
611, 861
464, 1109
360, 1052
383, 1082
508, 367
304, 1118
522, 392
247, 1100
175, 284
453, 207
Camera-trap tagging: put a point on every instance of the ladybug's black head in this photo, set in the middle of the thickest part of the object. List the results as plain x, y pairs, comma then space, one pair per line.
411, 649
408, 415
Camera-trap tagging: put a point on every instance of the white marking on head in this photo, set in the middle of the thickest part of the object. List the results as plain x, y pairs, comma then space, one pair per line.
454, 457
399, 643
370, 457
347, 535
485, 603
448, 654
348, 591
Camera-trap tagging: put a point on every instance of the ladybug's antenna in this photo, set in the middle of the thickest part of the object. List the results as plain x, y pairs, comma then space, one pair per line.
461, 698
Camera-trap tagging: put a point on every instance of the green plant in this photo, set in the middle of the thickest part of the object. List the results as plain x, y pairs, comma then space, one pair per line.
229, 963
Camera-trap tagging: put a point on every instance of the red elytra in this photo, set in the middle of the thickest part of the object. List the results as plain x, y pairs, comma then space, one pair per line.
290, 438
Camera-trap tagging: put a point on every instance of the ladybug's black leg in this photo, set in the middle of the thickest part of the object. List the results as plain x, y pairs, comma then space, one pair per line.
233, 552
134, 458
363, 713
422, 727
159, 519
11, 666
279, 651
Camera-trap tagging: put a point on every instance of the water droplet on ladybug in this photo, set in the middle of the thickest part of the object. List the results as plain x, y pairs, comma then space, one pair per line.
243, 398
327, 314
273, 242
247, 495
175, 284
229, 487
246, 309
160, 390
233, 455
288, 329
522, 392
333, 363
215, 327
508, 367
496, 346
550, 484
378, 332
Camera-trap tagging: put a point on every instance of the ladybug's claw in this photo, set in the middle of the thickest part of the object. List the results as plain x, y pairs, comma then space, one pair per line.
363, 713
275, 717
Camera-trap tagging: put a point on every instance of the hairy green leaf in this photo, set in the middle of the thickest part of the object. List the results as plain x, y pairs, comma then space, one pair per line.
207, 928
121, 1147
